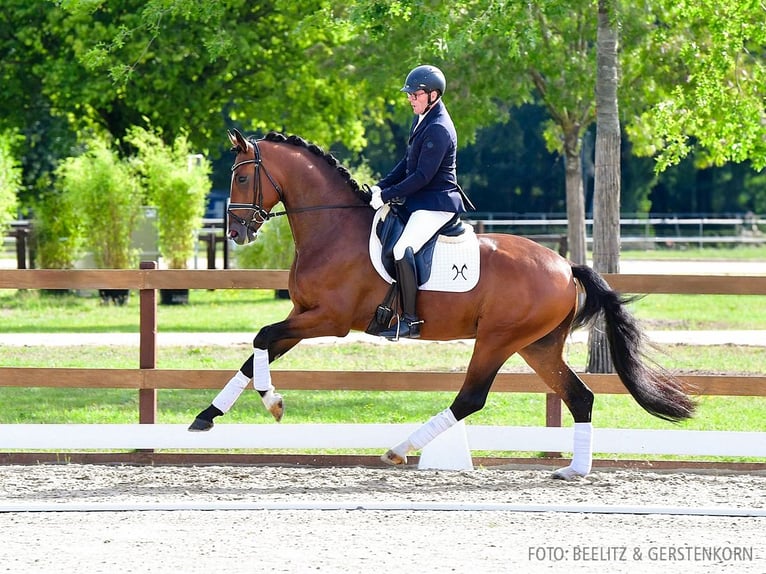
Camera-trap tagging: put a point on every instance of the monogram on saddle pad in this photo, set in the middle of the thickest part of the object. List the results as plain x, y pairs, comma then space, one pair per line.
448, 262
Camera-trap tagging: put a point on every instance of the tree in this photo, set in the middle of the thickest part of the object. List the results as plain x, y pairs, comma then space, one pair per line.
606, 201
331, 72
258, 65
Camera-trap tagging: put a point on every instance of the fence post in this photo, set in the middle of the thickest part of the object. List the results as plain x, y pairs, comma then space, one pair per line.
147, 398
211, 241
21, 247
552, 416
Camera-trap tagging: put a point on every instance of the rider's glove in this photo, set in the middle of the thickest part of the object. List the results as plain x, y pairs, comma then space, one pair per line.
376, 202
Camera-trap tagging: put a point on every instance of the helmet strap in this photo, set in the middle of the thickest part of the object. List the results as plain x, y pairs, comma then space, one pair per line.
431, 102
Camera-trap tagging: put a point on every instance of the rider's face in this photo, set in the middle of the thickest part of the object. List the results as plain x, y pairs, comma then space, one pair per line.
419, 101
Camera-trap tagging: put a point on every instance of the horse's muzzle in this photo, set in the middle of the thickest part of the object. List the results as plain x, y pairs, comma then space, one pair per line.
241, 234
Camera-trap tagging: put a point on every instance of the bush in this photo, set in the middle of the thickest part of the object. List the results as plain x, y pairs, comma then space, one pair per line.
10, 179
106, 202
57, 232
177, 184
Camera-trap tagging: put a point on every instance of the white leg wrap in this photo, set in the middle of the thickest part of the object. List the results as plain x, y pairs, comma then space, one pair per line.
261, 373
426, 433
582, 454
230, 392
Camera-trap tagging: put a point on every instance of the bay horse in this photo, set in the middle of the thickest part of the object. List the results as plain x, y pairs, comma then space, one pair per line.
526, 300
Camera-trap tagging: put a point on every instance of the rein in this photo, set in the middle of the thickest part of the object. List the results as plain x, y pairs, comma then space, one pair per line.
259, 214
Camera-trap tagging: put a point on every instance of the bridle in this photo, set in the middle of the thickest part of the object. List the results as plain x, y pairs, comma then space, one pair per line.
259, 215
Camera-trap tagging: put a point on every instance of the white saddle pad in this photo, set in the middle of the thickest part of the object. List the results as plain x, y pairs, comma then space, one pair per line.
455, 266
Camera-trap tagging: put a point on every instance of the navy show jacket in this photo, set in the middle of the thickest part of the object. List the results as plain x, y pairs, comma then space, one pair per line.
426, 177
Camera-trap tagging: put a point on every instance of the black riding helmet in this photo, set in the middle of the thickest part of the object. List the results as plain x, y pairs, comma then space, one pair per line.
428, 78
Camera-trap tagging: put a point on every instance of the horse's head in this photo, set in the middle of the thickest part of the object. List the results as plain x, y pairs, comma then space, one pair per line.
253, 190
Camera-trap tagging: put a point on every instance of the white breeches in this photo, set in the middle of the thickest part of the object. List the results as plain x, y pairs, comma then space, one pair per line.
421, 227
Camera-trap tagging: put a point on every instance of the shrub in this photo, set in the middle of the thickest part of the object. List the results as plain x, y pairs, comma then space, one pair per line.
107, 202
57, 232
10, 179
177, 184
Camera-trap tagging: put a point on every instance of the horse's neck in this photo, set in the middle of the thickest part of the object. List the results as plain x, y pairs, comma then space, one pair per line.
328, 229
320, 201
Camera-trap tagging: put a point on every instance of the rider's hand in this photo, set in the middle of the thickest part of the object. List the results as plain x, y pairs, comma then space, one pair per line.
376, 202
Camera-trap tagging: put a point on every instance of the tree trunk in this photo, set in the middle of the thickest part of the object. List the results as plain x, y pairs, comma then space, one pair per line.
575, 198
606, 199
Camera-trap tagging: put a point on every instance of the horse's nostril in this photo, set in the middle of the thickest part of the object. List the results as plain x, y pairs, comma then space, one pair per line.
233, 234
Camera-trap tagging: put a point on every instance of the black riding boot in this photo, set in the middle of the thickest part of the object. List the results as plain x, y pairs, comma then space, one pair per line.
409, 324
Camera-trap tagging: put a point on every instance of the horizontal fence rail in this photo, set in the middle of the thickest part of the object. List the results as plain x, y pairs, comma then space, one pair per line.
147, 379
295, 380
380, 436
277, 279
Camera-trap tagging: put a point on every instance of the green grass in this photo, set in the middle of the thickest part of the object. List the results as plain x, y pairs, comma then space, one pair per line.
423, 356
687, 252
225, 310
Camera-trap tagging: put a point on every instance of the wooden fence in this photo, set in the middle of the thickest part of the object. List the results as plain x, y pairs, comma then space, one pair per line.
147, 379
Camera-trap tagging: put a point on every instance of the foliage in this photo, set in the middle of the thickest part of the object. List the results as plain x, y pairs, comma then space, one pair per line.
243, 59
107, 201
704, 75
10, 178
176, 182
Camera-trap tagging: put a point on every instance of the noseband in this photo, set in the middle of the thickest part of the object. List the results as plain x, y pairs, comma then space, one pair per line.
259, 215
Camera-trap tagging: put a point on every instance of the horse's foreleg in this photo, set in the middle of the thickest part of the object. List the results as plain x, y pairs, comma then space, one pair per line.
256, 367
225, 399
262, 383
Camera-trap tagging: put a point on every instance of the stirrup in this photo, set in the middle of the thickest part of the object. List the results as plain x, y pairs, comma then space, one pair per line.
407, 326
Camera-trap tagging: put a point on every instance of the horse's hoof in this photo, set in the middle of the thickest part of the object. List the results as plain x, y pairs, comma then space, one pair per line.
200, 425
566, 473
275, 405
277, 410
393, 459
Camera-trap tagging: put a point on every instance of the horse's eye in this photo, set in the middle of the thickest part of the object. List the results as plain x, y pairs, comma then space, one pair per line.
241, 178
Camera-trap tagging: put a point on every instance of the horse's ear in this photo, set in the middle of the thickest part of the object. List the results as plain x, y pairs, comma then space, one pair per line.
237, 139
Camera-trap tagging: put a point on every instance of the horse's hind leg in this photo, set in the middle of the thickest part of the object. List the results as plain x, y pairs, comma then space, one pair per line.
546, 358
479, 377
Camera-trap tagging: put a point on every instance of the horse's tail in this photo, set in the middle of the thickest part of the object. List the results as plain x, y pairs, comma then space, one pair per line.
658, 392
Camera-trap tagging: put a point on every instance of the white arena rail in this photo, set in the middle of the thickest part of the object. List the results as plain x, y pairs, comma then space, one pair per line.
373, 436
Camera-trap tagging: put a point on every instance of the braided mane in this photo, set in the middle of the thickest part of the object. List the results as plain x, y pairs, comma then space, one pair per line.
318, 151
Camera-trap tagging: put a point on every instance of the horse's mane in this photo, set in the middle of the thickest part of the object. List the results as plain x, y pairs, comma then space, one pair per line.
318, 151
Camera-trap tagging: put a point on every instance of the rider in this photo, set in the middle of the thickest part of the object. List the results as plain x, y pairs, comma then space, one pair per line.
424, 182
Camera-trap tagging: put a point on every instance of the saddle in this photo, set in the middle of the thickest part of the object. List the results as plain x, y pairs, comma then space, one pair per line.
390, 229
